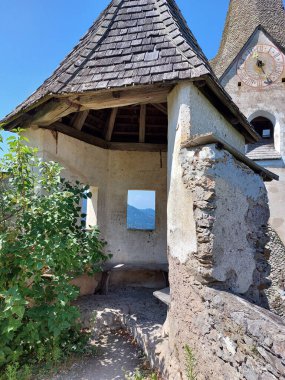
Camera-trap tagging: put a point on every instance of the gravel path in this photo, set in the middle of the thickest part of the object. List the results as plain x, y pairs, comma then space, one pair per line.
116, 357
117, 354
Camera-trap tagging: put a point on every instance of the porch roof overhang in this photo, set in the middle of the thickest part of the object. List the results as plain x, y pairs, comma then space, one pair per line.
53, 107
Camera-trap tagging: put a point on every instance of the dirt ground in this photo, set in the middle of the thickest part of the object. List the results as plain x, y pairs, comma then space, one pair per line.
116, 358
117, 355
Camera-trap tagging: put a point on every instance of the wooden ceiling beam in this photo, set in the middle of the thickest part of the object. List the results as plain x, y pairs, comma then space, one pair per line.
79, 135
111, 124
123, 98
142, 123
96, 141
51, 112
79, 119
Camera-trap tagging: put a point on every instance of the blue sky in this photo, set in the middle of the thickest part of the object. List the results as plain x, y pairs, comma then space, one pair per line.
141, 199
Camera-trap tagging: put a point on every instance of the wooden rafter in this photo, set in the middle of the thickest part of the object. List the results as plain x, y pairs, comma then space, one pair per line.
51, 112
96, 141
79, 119
160, 107
111, 124
142, 123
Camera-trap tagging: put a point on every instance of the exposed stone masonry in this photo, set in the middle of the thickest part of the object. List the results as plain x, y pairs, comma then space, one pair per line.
230, 338
230, 222
276, 293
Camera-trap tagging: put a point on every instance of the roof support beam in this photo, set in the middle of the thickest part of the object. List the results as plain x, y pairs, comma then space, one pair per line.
161, 108
111, 99
92, 140
51, 112
142, 123
83, 136
111, 124
79, 119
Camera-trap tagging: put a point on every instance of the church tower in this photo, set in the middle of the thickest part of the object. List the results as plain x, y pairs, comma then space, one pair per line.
251, 66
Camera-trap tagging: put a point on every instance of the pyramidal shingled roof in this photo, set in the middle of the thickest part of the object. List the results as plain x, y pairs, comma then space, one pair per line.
243, 17
133, 42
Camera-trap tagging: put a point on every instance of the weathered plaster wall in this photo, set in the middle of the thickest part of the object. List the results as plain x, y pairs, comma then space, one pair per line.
217, 227
114, 173
276, 292
227, 203
224, 212
276, 194
198, 116
230, 338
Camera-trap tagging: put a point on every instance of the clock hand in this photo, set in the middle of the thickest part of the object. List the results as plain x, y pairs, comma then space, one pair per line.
260, 64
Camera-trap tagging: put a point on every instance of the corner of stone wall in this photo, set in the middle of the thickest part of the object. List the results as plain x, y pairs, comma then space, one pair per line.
215, 289
275, 251
231, 214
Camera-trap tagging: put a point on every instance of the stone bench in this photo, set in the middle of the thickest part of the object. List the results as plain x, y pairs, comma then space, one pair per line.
128, 267
163, 295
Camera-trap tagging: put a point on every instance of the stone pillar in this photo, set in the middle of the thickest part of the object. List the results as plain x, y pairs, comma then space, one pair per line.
217, 217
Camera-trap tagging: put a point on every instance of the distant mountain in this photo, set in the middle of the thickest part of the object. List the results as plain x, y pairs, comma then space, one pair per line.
140, 219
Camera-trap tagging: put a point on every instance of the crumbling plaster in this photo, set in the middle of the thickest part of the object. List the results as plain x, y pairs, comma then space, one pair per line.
217, 227
224, 211
114, 173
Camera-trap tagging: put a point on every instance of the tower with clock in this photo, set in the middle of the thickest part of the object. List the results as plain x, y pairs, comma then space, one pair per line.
251, 66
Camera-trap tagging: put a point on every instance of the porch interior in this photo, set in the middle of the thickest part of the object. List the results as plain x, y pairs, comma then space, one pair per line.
120, 149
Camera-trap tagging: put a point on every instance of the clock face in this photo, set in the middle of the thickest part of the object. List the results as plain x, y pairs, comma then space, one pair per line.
260, 66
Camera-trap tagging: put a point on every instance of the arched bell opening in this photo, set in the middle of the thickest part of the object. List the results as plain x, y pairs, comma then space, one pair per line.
264, 149
264, 128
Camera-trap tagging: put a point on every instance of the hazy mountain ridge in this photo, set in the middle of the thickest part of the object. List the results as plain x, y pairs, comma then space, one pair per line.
140, 219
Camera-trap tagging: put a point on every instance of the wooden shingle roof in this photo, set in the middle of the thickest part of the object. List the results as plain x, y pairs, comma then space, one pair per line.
133, 42
243, 18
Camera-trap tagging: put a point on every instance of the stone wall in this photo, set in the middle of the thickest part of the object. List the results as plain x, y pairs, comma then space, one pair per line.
228, 203
217, 280
230, 338
276, 293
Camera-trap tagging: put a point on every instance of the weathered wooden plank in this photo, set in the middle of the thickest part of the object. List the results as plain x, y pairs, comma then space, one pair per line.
163, 295
118, 267
142, 123
111, 124
51, 112
96, 141
124, 98
82, 136
79, 119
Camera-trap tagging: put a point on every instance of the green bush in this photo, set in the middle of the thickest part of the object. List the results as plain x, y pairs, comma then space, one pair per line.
43, 245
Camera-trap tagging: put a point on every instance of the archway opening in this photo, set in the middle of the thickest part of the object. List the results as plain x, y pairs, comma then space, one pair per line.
264, 149
264, 128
